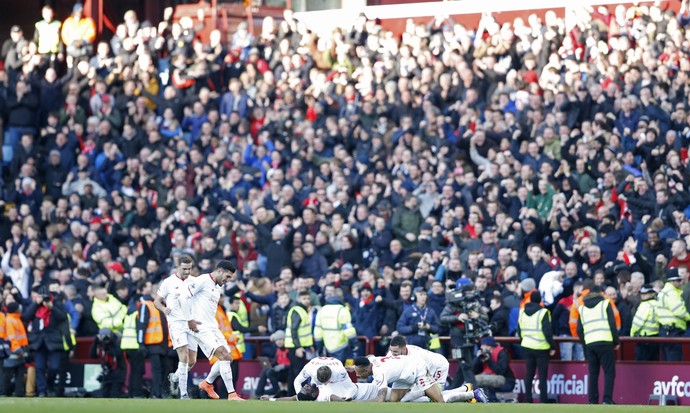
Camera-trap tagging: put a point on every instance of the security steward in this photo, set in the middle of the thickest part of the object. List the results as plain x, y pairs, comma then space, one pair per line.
231, 337
129, 344
239, 321
334, 332
150, 336
14, 364
673, 316
646, 324
596, 328
534, 329
298, 336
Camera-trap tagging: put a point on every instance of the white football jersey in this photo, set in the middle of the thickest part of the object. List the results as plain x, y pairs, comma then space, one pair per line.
338, 372
171, 289
434, 361
388, 370
204, 294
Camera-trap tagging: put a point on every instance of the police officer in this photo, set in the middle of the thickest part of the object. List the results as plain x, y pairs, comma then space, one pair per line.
596, 327
673, 316
534, 328
298, 336
333, 330
646, 324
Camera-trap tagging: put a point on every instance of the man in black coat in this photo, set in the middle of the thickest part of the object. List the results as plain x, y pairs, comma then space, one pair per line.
44, 318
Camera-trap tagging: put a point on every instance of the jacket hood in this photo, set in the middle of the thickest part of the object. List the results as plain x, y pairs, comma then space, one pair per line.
531, 308
592, 299
334, 300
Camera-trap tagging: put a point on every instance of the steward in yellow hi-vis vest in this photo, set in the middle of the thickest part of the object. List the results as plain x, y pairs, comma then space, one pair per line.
333, 331
673, 316
597, 330
298, 336
646, 324
534, 328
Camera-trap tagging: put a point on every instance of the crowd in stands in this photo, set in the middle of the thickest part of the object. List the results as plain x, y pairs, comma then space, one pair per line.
360, 167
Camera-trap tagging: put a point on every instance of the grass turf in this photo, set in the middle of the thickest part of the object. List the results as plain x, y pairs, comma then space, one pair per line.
14, 405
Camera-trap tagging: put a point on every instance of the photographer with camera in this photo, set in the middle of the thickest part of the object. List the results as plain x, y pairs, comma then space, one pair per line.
45, 318
463, 315
106, 348
492, 368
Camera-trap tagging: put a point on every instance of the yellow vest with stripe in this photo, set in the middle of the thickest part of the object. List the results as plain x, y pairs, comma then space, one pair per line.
129, 333
69, 341
434, 342
48, 36
530, 329
671, 309
109, 314
334, 327
595, 323
240, 335
646, 321
303, 331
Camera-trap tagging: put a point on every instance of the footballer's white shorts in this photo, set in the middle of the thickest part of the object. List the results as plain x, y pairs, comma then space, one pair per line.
209, 339
368, 392
440, 374
423, 381
181, 335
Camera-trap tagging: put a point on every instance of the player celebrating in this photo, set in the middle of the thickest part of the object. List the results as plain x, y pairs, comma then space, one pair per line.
435, 363
309, 373
199, 306
402, 372
167, 301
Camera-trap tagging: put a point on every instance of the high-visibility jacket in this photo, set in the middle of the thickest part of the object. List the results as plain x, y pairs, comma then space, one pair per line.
129, 333
646, 321
240, 335
226, 328
3, 330
334, 327
530, 329
575, 313
109, 314
16, 333
305, 337
153, 334
671, 308
83, 29
434, 342
48, 36
595, 323
69, 341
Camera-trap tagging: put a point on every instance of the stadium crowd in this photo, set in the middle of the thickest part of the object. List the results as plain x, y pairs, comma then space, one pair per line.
358, 169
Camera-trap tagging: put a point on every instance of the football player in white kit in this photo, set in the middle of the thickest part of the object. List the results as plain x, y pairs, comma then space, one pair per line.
403, 373
199, 305
435, 363
167, 301
309, 373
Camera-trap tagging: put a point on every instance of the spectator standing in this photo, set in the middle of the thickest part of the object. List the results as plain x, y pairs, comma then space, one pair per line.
78, 33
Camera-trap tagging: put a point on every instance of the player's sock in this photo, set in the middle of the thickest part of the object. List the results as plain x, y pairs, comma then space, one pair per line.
182, 370
226, 374
412, 395
214, 373
457, 395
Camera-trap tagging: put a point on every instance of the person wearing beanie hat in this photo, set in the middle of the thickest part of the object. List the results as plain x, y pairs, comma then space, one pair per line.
646, 324
492, 370
534, 329
276, 366
596, 327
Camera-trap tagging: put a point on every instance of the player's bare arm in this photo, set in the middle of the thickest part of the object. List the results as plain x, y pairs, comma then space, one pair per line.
160, 304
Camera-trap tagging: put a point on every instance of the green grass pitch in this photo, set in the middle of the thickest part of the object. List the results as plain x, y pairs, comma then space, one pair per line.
13, 405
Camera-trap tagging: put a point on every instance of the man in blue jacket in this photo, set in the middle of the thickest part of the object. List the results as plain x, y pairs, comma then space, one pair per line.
419, 321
